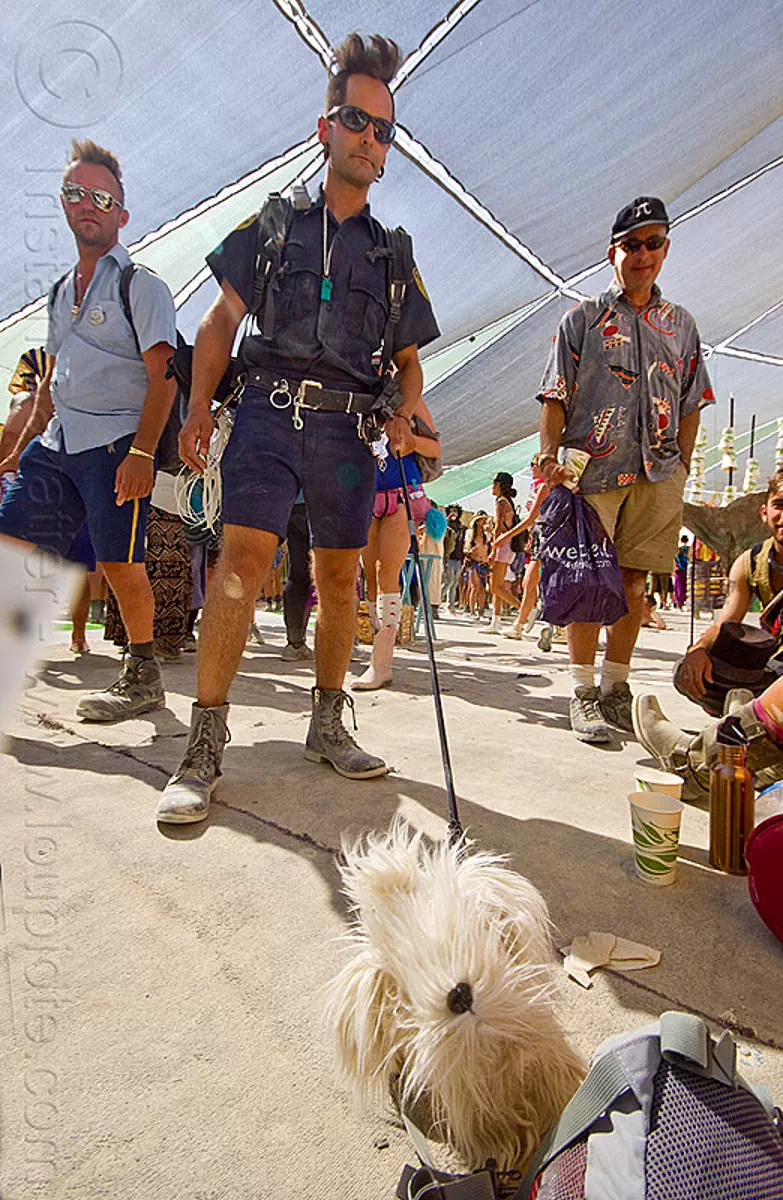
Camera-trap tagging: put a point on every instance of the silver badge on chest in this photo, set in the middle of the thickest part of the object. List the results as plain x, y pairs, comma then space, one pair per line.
96, 315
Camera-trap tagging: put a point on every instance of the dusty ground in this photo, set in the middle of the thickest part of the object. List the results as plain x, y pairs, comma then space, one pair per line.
160, 1027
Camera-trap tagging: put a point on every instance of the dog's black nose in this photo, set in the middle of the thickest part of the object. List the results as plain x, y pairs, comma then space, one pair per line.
460, 999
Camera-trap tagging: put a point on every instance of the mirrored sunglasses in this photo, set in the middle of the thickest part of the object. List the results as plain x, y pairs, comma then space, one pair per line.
634, 245
357, 120
72, 193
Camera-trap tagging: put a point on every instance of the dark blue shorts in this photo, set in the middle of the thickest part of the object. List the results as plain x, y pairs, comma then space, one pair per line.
267, 461
81, 549
54, 493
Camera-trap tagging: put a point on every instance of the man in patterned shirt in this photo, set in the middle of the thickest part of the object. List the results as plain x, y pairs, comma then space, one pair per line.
625, 382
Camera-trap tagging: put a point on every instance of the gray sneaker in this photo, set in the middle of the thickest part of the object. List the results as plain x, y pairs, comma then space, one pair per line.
293, 653
329, 741
545, 639
139, 689
187, 794
616, 706
587, 720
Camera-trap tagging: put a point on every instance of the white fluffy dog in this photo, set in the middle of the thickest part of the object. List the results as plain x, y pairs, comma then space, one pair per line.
448, 996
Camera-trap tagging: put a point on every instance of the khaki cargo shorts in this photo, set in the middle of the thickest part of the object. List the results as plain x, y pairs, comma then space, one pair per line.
644, 521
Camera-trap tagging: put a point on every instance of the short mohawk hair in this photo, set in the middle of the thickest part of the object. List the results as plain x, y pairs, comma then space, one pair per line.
87, 151
379, 58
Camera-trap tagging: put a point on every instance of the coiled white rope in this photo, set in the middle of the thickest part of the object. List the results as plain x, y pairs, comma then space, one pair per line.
199, 497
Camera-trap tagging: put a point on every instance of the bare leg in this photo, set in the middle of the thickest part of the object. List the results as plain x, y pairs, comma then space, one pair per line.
582, 642
243, 564
393, 544
131, 586
79, 614
335, 580
370, 560
530, 590
621, 637
501, 592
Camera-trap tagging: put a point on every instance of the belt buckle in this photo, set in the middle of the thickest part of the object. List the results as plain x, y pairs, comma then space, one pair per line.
299, 401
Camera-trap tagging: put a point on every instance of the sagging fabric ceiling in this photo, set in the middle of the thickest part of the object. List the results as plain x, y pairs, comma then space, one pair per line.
524, 127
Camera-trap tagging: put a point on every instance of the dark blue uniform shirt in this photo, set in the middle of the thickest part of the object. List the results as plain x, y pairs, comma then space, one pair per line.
332, 340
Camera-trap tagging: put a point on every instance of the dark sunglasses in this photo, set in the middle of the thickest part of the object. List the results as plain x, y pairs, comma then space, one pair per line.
357, 120
634, 245
72, 193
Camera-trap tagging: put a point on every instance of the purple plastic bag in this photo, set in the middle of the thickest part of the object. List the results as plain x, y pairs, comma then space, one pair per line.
580, 578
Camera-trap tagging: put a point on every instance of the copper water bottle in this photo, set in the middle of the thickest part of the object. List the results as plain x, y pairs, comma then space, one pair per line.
731, 799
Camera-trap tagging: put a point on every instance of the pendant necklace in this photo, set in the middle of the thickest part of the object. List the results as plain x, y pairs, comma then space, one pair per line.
76, 299
326, 283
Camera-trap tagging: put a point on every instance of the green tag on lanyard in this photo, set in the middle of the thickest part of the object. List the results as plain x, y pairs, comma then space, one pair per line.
326, 289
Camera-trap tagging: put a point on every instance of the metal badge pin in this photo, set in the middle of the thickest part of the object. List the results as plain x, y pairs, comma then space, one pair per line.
96, 315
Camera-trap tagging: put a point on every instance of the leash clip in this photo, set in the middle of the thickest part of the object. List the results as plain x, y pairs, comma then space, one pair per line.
299, 401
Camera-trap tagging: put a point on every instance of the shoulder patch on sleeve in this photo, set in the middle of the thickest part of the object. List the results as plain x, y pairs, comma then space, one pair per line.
419, 283
244, 224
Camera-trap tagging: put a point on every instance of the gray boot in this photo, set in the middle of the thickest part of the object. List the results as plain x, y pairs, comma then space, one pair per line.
187, 794
329, 741
139, 689
692, 757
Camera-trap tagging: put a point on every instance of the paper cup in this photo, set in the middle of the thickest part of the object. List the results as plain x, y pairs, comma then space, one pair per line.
655, 823
576, 461
650, 779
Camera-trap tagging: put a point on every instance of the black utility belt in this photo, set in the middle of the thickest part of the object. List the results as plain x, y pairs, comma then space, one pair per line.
309, 394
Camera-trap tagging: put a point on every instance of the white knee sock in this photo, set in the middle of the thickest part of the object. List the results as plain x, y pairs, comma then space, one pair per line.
612, 673
372, 609
389, 610
582, 675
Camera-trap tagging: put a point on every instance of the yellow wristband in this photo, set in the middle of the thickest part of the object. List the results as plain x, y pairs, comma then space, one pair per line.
141, 453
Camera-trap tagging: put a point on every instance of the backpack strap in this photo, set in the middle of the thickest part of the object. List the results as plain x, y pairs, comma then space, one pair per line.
399, 273
126, 279
274, 224
125, 285
54, 289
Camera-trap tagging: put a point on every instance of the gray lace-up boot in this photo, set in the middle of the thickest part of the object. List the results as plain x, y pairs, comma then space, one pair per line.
329, 741
616, 706
691, 757
139, 689
187, 794
587, 720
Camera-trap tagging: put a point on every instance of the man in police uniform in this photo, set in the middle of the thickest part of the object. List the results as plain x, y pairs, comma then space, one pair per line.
330, 314
102, 406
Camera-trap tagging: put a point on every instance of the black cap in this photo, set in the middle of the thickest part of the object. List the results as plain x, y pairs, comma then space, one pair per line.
644, 210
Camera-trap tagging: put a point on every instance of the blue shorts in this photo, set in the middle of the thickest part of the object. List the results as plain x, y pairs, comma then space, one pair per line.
54, 493
267, 461
81, 550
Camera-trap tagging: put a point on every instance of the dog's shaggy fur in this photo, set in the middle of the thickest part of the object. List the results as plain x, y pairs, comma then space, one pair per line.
495, 1076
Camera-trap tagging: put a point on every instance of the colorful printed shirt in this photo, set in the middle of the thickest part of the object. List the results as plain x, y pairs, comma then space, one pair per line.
625, 380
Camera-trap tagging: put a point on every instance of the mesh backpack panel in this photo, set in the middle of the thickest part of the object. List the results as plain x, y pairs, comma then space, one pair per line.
709, 1142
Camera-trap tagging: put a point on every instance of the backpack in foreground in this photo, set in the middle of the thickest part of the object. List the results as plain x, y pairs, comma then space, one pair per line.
662, 1115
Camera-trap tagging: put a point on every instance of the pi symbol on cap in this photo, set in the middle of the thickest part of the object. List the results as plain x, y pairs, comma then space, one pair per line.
642, 210
97, 316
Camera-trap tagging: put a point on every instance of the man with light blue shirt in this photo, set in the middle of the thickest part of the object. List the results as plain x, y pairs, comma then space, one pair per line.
104, 402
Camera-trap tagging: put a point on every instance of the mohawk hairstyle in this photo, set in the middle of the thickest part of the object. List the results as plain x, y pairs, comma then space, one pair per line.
88, 151
379, 58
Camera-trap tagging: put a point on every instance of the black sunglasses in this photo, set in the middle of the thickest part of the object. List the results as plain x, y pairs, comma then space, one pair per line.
357, 120
634, 245
72, 193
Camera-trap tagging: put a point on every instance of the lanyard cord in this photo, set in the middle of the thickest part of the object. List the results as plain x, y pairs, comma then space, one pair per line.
326, 283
